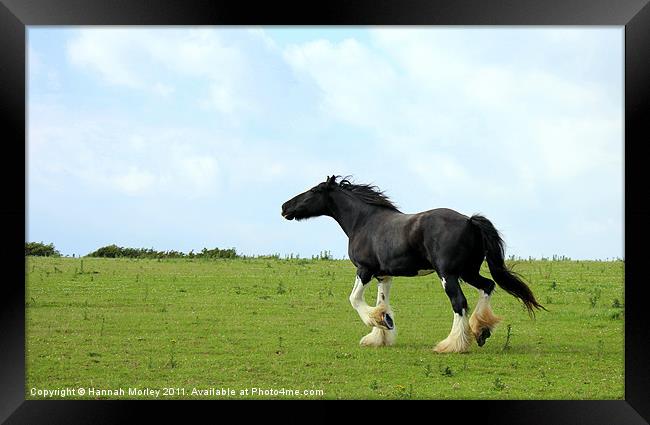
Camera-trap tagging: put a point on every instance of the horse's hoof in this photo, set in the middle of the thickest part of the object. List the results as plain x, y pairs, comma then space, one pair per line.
372, 340
485, 334
388, 322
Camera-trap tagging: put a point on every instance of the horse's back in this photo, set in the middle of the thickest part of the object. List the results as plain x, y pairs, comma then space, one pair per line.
412, 230
447, 238
444, 214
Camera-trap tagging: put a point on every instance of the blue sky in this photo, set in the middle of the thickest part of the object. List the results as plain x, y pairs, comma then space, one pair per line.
183, 138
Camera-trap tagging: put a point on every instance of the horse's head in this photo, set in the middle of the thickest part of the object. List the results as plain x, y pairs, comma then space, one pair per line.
311, 203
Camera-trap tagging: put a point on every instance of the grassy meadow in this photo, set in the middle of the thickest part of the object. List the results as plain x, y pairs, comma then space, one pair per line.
196, 326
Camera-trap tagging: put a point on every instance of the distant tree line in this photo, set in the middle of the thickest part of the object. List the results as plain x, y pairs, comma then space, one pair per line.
114, 251
40, 249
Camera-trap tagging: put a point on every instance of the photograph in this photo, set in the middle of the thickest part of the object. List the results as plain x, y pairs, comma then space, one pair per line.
325, 212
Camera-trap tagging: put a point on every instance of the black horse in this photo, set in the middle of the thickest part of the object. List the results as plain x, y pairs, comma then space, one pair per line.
384, 242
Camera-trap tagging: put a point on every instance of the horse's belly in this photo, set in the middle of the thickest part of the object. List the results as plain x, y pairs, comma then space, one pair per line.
408, 271
402, 261
405, 265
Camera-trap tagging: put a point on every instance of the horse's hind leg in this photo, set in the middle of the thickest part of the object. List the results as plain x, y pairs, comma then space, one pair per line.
379, 337
460, 337
483, 320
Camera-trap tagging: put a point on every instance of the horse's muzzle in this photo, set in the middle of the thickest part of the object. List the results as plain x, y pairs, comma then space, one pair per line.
286, 214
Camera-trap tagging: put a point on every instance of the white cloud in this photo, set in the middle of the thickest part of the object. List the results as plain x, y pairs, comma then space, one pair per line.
417, 91
120, 155
355, 83
572, 147
200, 173
162, 89
111, 153
225, 100
430, 89
135, 181
107, 53
226, 61
440, 171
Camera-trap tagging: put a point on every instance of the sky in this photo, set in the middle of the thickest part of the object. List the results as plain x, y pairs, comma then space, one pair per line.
190, 137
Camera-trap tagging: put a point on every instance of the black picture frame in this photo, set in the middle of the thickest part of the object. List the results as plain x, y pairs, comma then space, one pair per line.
16, 15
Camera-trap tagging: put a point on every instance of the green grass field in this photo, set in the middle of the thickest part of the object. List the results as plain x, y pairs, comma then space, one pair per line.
273, 324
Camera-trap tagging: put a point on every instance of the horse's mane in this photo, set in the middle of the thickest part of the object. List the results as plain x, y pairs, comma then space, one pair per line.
365, 192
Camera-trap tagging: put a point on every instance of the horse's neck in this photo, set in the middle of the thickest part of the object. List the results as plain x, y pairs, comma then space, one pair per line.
350, 212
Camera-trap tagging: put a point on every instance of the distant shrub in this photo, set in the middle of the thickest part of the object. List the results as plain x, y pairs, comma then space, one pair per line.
267, 257
110, 251
323, 255
218, 253
39, 249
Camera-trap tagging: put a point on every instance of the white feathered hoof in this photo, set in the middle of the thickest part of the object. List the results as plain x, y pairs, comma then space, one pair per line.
379, 338
453, 344
459, 339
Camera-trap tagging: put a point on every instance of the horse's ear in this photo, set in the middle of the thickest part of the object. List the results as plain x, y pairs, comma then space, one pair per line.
331, 180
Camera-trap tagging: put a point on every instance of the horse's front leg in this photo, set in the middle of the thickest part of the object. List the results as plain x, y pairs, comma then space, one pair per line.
379, 336
380, 316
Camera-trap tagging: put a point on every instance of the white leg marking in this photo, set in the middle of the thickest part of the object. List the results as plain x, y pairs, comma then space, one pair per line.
383, 290
356, 297
444, 283
459, 338
483, 302
359, 303
369, 315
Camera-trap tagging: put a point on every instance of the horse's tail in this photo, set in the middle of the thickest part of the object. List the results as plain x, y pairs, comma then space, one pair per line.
510, 281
